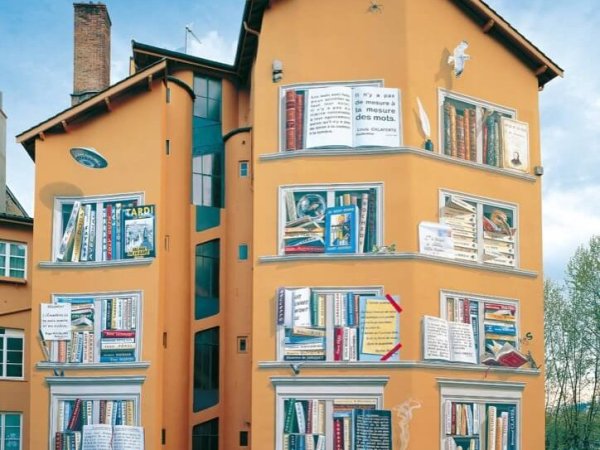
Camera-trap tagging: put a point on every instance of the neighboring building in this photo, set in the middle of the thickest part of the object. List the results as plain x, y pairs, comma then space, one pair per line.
16, 235
212, 343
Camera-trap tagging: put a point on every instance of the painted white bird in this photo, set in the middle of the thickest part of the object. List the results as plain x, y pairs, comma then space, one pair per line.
459, 57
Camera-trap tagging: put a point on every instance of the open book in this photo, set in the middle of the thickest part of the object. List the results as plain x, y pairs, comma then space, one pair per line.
448, 341
504, 355
342, 116
107, 437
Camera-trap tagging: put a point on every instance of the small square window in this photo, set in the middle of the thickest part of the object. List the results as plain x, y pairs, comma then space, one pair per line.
243, 439
244, 168
243, 252
242, 344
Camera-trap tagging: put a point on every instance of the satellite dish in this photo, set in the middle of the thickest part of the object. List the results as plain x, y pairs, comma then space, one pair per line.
89, 157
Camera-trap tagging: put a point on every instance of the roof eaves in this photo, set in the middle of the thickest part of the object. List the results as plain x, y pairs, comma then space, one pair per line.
27, 138
492, 23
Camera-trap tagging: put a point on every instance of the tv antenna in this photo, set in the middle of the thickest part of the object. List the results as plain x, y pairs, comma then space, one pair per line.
188, 31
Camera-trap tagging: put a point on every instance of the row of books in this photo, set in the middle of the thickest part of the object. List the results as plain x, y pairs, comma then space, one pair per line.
461, 126
347, 227
365, 327
110, 231
80, 349
117, 336
74, 414
498, 237
461, 419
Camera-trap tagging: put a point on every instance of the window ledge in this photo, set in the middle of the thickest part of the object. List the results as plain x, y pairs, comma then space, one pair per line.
103, 381
320, 152
92, 366
21, 379
396, 255
13, 280
93, 264
298, 365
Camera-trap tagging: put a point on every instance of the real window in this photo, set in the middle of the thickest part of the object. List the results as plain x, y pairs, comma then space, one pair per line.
105, 328
342, 114
13, 259
305, 212
207, 150
471, 129
334, 324
320, 408
207, 279
243, 252
205, 435
495, 321
244, 170
475, 414
206, 369
11, 431
12, 343
483, 230
88, 229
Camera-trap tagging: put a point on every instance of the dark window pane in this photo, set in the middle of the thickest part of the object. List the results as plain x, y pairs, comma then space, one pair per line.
206, 369
201, 86
214, 89
15, 344
14, 370
201, 107
205, 436
214, 109
207, 279
207, 217
14, 357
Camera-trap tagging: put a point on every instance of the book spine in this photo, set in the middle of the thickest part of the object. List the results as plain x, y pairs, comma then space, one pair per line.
78, 235
118, 232
460, 136
289, 411
104, 236
447, 129
118, 334
92, 240
73, 421
68, 233
472, 134
371, 233
362, 227
281, 306
290, 120
338, 434
109, 227
338, 338
300, 416
300, 119
453, 134
491, 430
467, 133
85, 241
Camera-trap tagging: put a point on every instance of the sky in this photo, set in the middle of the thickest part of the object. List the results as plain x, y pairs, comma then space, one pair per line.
36, 72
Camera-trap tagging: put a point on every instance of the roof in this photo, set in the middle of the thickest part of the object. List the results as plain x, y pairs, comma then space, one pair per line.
150, 61
497, 27
246, 50
101, 102
13, 204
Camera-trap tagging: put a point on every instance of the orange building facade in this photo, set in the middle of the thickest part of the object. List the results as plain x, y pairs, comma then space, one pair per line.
252, 323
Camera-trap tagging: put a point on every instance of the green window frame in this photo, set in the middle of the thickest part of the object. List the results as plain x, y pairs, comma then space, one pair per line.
207, 279
205, 435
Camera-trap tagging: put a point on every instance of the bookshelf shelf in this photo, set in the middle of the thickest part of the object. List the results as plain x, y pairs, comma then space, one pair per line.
396, 256
405, 364
46, 365
404, 150
94, 264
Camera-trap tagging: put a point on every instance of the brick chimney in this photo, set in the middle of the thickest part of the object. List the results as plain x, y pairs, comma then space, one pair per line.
91, 65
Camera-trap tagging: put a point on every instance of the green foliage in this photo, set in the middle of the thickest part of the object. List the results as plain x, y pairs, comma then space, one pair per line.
572, 329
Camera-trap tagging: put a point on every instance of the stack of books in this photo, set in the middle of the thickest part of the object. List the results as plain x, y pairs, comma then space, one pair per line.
118, 335
461, 217
80, 349
304, 424
498, 238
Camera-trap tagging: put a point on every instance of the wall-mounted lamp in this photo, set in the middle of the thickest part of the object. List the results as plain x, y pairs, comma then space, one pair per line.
277, 70
538, 170
89, 157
